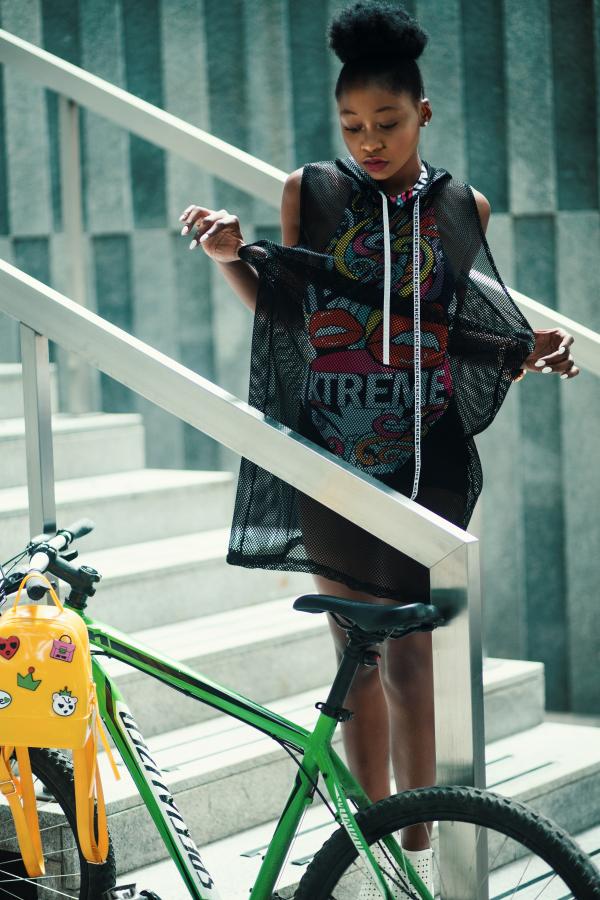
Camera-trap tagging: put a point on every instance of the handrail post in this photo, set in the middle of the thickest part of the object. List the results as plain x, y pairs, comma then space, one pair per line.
79, 383
38, 431
455, 588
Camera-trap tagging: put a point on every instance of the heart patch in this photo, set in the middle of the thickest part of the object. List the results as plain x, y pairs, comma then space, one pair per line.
9, 646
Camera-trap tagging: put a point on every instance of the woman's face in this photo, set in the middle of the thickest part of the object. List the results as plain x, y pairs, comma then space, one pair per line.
378, 123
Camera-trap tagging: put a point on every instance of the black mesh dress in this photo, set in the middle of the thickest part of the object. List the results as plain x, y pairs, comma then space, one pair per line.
386, 336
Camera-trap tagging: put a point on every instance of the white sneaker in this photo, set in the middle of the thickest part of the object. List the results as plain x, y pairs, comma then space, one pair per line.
421, 860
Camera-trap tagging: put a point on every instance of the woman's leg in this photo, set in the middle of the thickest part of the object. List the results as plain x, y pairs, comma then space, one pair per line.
366, 736
393, 710
407, 681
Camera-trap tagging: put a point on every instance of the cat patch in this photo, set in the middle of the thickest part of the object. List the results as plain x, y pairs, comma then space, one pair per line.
63, 702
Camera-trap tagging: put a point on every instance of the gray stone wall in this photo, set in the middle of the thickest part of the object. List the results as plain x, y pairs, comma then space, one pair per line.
514, 91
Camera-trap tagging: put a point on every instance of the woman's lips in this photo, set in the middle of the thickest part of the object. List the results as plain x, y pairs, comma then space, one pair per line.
376, 166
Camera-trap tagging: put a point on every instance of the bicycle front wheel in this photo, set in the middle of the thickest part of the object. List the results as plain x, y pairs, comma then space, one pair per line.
529, 855
68, 874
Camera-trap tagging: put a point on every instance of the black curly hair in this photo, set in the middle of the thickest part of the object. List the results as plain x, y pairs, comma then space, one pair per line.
378, 43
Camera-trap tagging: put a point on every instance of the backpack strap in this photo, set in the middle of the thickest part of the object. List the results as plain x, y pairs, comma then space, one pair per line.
20, 793
88, 791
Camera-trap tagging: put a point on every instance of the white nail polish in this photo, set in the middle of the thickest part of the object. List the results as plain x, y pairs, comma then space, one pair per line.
193, 244
540, 362
564, 375
546, 369
185, 229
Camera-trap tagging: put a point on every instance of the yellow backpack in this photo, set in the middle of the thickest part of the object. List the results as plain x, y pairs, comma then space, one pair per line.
48, 699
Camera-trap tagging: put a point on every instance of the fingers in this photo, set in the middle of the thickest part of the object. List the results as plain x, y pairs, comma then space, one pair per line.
572, 369
210, 226
191, 214
566, 368
550, 359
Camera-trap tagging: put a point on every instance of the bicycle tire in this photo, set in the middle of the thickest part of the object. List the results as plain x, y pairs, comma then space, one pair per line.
505, 815
55, 770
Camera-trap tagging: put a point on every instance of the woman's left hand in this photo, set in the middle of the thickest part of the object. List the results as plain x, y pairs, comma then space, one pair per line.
551, 353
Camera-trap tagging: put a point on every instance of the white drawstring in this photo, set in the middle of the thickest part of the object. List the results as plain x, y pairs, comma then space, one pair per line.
417, 340
387, 278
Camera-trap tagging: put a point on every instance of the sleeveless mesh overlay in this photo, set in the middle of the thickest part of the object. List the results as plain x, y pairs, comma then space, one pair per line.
386, 336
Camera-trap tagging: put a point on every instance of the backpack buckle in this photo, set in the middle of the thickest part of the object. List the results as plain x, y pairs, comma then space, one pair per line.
12, 784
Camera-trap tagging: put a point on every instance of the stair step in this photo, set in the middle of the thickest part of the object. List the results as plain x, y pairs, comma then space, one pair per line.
262, 651
172, 579
11, 390
514, 696
226, 777
146, 503
90, 444
234, 861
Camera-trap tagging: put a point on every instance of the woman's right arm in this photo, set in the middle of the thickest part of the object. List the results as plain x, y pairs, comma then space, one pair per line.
223, 238
243, 278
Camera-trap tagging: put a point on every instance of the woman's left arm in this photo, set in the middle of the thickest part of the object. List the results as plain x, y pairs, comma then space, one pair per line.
551, 344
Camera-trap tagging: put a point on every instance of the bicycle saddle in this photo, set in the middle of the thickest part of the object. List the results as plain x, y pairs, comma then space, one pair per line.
374, 616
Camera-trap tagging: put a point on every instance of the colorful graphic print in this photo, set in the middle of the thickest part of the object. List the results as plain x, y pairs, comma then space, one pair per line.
5, 699
362, 408
63, 648
9, 646
64, 702
28, 681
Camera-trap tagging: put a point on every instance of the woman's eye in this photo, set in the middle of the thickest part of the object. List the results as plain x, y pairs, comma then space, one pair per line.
387, 127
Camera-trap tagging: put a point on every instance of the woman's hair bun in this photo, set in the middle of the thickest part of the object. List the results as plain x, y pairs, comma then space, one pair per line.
376, 28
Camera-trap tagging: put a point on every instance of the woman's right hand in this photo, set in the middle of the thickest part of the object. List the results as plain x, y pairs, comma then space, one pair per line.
217, 232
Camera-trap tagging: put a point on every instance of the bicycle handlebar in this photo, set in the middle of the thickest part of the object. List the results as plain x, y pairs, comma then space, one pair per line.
41, 559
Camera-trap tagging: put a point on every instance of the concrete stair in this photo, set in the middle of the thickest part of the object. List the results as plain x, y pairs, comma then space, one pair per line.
159, 543
173, 579
94, 444
11, 393
145, 503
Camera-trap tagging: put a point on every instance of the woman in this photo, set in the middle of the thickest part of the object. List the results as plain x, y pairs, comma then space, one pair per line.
391, 359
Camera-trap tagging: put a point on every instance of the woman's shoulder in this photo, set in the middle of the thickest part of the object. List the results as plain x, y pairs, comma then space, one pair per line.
483, 207
455, 191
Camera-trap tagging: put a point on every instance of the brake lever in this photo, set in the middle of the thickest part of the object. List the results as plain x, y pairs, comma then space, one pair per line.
70, 555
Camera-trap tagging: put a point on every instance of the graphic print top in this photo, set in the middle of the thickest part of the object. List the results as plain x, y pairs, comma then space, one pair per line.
363, 408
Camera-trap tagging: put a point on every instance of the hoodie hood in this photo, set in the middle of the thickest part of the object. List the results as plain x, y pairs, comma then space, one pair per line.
363, 181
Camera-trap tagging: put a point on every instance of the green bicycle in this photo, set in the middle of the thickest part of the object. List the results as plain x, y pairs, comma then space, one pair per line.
526, 852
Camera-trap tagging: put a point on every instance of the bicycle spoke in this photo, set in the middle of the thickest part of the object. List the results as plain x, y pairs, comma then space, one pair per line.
36, 881
522, 876
47, 854
548, 883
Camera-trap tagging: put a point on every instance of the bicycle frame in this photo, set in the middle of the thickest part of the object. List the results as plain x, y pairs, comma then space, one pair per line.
318, 758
